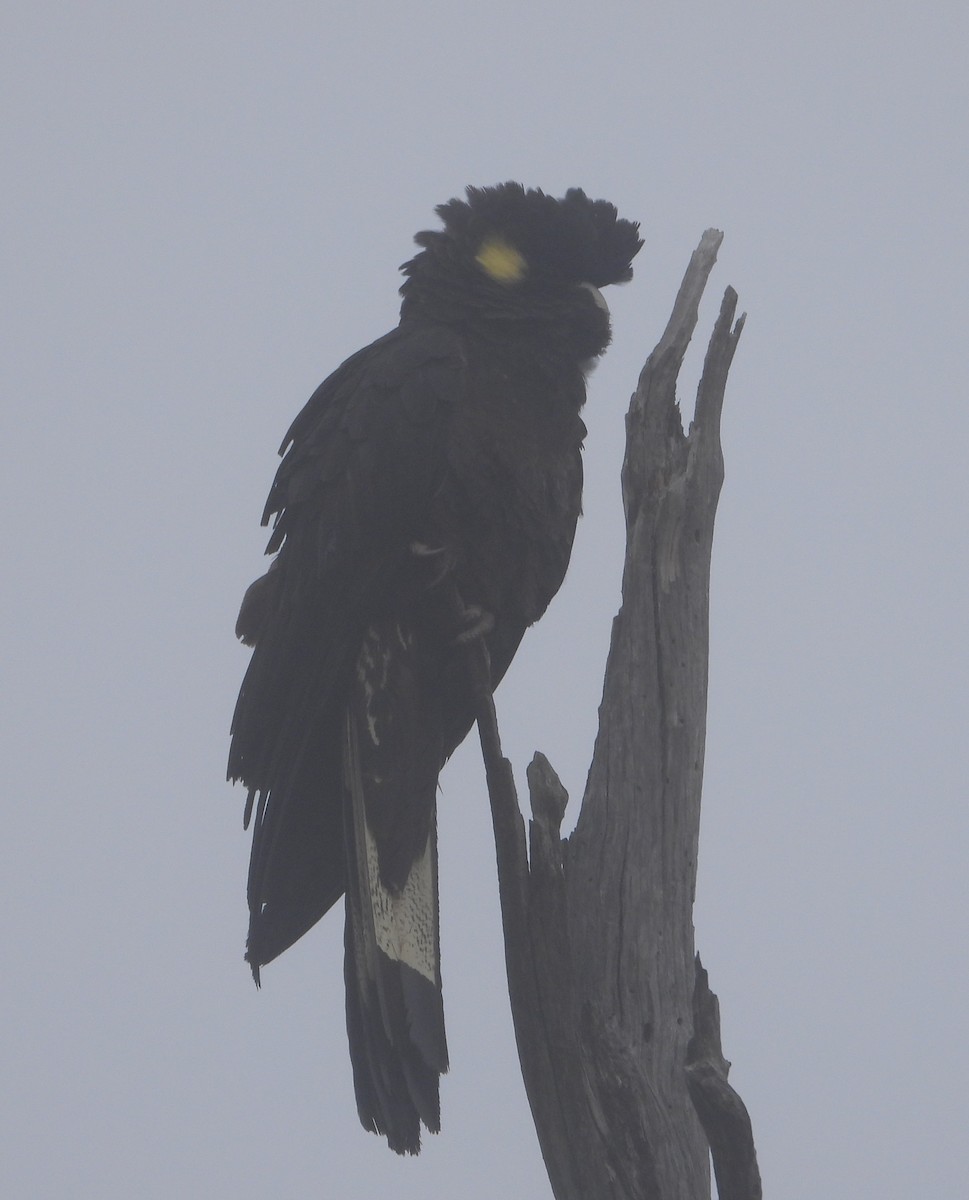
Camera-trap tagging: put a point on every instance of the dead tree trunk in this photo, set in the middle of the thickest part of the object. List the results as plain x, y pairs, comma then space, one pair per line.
617, 1031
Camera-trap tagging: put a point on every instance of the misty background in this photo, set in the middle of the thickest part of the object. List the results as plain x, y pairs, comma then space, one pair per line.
204, 209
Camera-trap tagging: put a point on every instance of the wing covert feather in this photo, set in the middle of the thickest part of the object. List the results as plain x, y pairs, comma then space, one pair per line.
361, 464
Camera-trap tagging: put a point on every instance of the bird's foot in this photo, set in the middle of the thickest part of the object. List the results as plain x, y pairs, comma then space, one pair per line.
437, 561
475, 622
468, 622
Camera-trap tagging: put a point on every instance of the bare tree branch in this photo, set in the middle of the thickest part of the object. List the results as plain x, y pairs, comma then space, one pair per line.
722, 1113
598, 929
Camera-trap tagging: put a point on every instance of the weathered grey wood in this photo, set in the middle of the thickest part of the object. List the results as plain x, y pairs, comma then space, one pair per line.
722, 1113
598, 929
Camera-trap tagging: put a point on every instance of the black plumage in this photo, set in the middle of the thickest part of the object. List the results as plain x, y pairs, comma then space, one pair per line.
443, 460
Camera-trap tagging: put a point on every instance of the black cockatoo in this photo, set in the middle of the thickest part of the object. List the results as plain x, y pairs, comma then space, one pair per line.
441, 461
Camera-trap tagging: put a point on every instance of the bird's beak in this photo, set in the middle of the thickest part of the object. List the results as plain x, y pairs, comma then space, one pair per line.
597, 296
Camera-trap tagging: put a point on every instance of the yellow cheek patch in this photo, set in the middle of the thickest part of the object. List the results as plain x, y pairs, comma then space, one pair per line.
501, 261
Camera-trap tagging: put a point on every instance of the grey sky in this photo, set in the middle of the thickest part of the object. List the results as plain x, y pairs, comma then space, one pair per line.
205, 206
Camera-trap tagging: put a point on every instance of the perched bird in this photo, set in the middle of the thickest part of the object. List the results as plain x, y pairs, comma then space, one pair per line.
441, 462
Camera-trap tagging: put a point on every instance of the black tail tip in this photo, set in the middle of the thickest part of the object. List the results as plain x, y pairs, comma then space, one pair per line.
255, 968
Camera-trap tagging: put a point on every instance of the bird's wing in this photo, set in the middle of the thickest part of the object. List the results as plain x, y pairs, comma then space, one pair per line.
361, 464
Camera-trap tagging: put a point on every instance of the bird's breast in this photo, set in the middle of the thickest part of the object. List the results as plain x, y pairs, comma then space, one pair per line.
513, 492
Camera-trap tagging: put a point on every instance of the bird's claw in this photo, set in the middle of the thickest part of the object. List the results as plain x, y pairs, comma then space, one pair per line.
439, 559
475, 623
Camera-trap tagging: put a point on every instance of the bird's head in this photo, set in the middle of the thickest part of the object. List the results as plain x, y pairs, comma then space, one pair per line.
511, 263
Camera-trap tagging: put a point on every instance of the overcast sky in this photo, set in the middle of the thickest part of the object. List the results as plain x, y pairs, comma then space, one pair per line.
205, 206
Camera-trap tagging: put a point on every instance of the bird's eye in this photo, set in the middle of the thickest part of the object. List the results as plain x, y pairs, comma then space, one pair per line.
500, 261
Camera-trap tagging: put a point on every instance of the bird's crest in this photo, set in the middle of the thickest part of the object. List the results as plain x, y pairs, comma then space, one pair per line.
509, 232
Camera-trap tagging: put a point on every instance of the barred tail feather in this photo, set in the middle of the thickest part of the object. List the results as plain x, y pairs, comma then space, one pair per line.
395, 1012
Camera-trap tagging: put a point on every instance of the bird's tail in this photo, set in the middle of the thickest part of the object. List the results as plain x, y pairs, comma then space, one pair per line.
395, 1012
